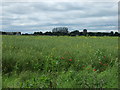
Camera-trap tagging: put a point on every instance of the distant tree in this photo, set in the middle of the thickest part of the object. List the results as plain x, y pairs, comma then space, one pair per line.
48, 33
91, 34
4, 33
81, 33
74, 33
60, 29
38, 33
111, 33
85, 32
105, 34
99, 34
116, 34
26, 34
14, 33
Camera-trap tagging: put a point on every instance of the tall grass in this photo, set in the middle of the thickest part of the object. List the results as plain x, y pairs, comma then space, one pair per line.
59, 62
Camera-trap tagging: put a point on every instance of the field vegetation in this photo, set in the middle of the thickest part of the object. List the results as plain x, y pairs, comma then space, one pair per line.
59, 62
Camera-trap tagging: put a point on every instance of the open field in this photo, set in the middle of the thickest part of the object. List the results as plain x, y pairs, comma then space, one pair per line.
59, 62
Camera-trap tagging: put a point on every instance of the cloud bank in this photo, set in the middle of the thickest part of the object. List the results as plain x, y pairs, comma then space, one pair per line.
44, 16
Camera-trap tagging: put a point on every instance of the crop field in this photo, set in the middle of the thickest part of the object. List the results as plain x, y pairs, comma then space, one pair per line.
59, 62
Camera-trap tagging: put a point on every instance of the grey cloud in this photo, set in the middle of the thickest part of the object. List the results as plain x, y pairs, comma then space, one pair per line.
45, 16
17, 8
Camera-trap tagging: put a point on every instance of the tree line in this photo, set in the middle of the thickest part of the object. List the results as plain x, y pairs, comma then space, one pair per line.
72, 33
76, 33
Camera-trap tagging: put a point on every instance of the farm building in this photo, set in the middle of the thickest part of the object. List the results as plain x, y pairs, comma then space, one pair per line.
60, 29
10, 33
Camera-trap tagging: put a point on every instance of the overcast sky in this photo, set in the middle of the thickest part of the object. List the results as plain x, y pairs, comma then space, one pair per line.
28, 17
